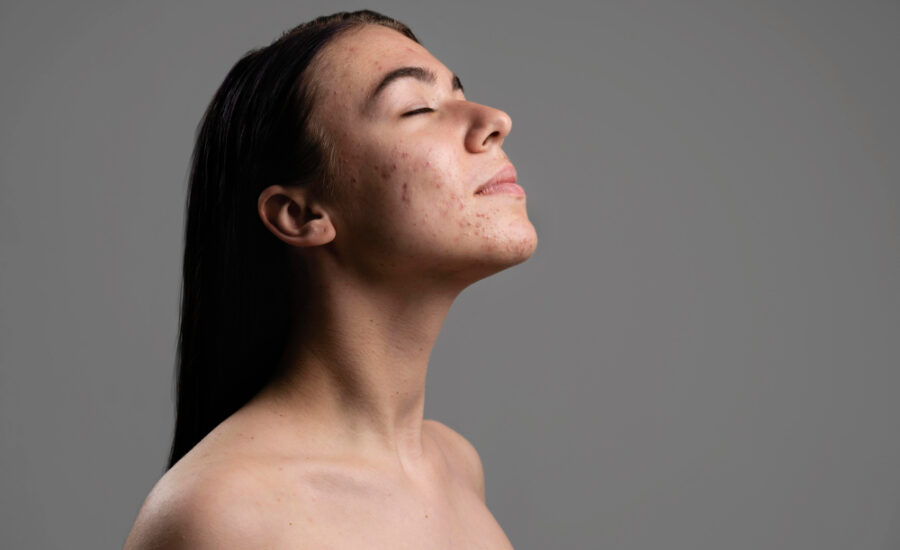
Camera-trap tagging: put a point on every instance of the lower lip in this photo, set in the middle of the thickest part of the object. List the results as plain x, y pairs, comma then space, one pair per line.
507, 188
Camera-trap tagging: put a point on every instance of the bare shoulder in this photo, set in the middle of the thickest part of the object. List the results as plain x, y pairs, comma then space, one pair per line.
217, 508
462, 451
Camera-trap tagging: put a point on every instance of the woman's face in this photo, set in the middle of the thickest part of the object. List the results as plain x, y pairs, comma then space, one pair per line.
410, 159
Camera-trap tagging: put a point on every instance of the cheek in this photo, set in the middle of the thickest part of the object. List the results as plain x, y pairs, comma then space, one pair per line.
425, 181
417, 192
440, 183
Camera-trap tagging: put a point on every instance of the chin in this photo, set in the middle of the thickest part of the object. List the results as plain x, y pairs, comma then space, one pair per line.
501, 253
521, 245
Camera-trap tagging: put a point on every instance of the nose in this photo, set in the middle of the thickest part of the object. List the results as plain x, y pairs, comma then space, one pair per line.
489, 127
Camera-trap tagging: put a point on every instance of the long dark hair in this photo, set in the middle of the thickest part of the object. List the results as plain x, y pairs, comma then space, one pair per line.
235, 294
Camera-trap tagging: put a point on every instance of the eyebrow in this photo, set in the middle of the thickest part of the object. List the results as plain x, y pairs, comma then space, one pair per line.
419, 73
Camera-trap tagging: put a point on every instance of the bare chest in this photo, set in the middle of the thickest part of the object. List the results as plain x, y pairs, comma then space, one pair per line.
349, 516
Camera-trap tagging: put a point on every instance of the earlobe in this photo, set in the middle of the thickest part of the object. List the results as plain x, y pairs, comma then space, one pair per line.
289, 214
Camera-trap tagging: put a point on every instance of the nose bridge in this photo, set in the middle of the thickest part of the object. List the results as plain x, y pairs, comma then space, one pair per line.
487, 126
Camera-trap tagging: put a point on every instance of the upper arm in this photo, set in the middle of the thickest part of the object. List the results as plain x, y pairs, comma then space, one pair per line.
464, 454
197, 517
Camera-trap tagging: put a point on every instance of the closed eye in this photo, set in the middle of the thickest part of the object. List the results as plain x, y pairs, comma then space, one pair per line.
419, 111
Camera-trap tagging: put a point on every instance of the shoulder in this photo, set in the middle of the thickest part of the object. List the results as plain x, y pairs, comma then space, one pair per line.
217, 508
462, 453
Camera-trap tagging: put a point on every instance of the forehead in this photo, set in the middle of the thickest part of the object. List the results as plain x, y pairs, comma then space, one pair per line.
352, 64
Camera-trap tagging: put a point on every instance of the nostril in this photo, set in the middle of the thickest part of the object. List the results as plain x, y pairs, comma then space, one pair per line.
495, 134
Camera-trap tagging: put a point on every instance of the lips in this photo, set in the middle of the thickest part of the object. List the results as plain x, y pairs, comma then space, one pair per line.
506, 175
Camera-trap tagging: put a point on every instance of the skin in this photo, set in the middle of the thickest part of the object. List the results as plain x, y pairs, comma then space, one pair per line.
336, 453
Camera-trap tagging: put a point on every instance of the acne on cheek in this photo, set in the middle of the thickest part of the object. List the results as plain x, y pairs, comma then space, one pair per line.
454, 201
386, 172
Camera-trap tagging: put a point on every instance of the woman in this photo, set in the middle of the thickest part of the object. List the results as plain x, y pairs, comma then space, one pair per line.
343, 193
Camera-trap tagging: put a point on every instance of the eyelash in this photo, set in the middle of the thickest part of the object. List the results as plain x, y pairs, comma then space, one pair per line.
418, 111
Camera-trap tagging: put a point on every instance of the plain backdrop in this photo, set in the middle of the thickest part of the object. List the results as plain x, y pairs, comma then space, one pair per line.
703, 352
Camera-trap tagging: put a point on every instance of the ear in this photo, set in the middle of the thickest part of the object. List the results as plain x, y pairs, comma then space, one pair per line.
291, 215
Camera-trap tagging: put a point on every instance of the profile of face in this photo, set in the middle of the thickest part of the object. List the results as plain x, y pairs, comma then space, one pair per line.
413, 160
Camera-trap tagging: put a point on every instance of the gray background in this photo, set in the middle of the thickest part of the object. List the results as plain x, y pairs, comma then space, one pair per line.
703, 353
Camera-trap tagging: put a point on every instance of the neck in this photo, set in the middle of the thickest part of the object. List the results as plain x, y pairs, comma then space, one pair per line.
355, 364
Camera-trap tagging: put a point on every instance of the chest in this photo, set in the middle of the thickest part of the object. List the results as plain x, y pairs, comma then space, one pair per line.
452, 517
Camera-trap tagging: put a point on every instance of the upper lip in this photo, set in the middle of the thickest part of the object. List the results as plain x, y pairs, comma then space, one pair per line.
507, 174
